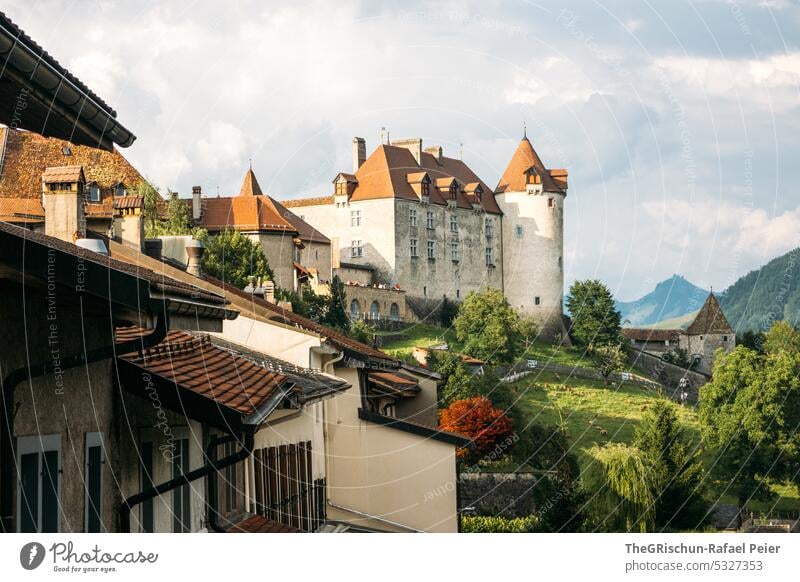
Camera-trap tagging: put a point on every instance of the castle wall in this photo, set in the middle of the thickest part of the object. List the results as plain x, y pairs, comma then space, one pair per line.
533, 242
432, 279
279, 249
706, 346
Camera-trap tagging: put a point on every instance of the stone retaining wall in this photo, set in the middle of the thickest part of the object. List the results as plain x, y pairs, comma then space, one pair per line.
498, 494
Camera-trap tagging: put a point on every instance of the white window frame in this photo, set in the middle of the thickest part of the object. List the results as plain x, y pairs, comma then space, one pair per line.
93, 439
356, 250
429, 224
93, 188
489, 256
519, 231
453, 223
412, 216
455, 252
355, 218
488, 225
431, 250
39, 444
414, 248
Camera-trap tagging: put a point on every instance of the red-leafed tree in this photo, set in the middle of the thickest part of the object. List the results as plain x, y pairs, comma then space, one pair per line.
478, 420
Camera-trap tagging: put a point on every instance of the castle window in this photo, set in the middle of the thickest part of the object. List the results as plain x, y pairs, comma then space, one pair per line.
66, 150
375, 310
412, 217
355, 308
458, 293
93, 190
519, 231
341, 188
455, 253
724, 338
431, 250
489, 257
414, 249
453, 223
425, 188
487, 223
429, 220
356, 250
551, 203
537, 300
355, 218
394, 312
425, 291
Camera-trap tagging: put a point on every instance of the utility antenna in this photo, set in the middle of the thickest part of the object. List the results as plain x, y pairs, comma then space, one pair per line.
383, 134
250, 159
524, 128
461, 151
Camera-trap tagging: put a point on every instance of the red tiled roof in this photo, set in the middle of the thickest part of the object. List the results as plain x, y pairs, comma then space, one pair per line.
300, 202
243, 213
121, 202
261, 524
250, 186
710, 319
27, 155
305, 231
21, 210
62, 174
525, 158
197, 365
393, 381
651, 335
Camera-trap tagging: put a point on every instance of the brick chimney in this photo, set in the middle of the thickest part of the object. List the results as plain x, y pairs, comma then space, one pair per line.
413, 145
196, 203
194, 253
359, 153
63, 198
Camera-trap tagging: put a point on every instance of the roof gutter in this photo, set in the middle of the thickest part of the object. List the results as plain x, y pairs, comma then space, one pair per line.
31, 371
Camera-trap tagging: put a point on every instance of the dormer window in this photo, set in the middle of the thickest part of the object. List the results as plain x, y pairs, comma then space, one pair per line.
93, 192
426, 189
66, 150
119, 189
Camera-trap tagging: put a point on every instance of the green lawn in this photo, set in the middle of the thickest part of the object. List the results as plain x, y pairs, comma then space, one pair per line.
593, 413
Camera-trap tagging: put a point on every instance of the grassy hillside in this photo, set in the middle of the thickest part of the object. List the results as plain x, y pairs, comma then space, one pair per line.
593, 413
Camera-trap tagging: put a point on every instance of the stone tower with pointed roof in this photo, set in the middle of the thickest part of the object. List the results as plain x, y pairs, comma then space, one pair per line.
708, 332
531, 198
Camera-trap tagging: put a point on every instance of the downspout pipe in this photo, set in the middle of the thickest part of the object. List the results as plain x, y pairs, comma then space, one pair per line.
211, 502
10, 382
209, 468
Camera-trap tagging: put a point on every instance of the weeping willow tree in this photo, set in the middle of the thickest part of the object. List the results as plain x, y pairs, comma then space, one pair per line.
621, 482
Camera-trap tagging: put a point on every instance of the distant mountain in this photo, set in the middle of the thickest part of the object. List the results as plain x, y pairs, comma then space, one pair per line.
671, 299
765, 295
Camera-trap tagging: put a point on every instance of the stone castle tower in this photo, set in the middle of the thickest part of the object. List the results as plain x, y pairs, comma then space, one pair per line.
532, 200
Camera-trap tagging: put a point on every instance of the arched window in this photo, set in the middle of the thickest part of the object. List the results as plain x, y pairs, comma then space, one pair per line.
375, 310
355, 308
394, 312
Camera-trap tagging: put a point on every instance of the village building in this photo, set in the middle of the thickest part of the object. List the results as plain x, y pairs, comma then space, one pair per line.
706, 333
427, 223
296, 251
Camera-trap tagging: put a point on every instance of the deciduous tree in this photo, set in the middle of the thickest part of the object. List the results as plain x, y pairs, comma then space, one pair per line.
595, 320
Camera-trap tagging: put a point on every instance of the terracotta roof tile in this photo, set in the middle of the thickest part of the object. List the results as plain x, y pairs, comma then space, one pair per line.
525, 158
651, 335
300, 202
122, 202
710, 319
261, 524
250, 185
54, 174
27, 155
21, 210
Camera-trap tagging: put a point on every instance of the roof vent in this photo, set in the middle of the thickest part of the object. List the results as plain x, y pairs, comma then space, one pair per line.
92, 244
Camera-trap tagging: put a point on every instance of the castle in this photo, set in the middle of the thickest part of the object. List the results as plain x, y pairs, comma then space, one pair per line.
427, 223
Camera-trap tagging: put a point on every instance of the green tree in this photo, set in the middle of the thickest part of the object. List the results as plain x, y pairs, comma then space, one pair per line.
610, 359
489, 328
741, 410
335, 314
679, 503
595, 320
179, 220
781, 337
232, 257
620, 483
152, 199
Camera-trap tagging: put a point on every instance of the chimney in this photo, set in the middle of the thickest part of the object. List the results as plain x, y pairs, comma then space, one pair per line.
153, 247
196, 203
269, 291
359, 153
436, 152
63, 198
413, 145
129, 222
194, 252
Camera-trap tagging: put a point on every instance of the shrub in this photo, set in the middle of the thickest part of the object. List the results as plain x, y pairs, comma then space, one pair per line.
486, 524
478, 420
489, 327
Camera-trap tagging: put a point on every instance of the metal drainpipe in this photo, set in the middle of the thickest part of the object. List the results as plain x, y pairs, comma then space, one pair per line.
207, 469
7, 459
211, 502
326, 442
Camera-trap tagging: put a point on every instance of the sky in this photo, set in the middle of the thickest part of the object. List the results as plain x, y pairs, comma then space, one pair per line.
678, 121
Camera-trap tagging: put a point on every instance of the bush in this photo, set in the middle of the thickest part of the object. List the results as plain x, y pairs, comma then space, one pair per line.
478, 420
489, 328
486, 524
